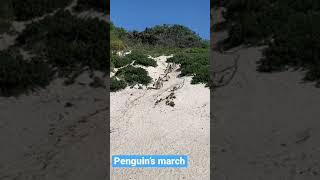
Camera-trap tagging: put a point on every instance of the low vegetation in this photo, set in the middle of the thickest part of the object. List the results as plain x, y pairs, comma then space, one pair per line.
135, 57
61, 42
68, 43
188, 49
116, 84
4, 25
141, 59
28, 9
289, 28
18, 75
6, 15
195, 63
118, 61
158, 37
134, 75
97, 5
173, 36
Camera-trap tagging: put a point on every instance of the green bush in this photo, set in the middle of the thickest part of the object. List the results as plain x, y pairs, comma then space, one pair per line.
146, 62
116, 85
170, 36
28, 9
289, 28
133, 75
193, 64
141, 59
118, 61
6, 16
135, 55
98, 5
18, 75
4, 26
69, 43
197, 50
201, 76
117, 45
298, 48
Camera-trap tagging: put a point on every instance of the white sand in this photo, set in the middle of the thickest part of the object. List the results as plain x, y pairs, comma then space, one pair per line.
140, 127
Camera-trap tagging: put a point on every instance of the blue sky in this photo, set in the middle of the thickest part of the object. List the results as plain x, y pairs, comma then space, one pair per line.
139, 14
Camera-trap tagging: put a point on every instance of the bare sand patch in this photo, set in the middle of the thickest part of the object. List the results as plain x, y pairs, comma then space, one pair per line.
141, 126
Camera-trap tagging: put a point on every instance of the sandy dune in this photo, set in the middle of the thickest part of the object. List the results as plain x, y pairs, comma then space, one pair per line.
56, 133
265, 125
138, 126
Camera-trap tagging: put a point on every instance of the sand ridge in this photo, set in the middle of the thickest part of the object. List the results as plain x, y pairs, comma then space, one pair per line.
141, 126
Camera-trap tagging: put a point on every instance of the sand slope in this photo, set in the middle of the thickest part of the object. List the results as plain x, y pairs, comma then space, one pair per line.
56, 133
266, 126
139, 126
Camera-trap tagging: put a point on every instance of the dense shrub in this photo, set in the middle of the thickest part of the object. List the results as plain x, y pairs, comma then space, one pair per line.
5, 9
298, 49
98, 5
117, 45
193, 64
289, 28
118, 61
133, 75
4, 25
160, 36
138, 57
141, 59
176, 36
18, 75
6, 15
116, 85
145, 61
68, 43
28, 9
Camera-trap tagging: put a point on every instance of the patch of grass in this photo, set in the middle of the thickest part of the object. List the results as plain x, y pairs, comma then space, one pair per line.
133, 75
116, 85
18, 75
